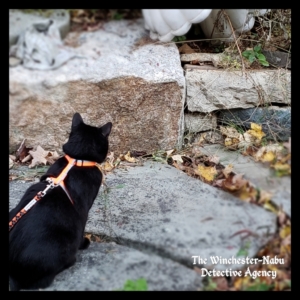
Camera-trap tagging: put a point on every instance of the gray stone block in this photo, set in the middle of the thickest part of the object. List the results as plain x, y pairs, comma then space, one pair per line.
275, 121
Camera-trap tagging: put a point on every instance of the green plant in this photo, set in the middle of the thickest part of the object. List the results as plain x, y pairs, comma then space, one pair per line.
255, 54
179, 38
135, 285
210, 285
243, 251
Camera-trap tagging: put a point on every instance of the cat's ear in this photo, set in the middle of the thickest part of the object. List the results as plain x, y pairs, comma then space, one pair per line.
76, 120
105, 129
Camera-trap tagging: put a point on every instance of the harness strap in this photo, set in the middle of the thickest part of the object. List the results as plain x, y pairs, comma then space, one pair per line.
54, 182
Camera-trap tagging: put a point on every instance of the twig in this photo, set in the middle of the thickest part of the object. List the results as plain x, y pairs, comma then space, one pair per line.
235, 40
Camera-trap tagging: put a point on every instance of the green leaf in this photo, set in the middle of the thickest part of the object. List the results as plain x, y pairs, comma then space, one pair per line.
247, 53
251, 58
135, 285
264, 63
259, 287
257, 48
260, 56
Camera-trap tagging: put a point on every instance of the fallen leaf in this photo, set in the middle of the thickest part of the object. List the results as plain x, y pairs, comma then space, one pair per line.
228, 169
234, 182
38, 157
268, 156
11, 163
256, 131
129, 158
169, 152
51, 157
208, 173
177, 158
283, 169
285, 231
27, 158
22, 151
271, 206
107, 167
110, 158
214, 159
186, 49
12, 157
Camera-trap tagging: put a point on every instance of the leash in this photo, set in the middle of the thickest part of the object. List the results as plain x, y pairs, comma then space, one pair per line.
52, 183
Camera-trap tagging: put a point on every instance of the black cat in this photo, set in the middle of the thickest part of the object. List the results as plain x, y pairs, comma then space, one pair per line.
45, 240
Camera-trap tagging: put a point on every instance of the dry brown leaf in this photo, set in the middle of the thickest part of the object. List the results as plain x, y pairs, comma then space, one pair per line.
169, 152
186, 49
51, 157
27, 158
214, 159
247, 193
234, 182
107, 166
38, 157
12, 157
11, 163
228, 169
22, 151
177, 158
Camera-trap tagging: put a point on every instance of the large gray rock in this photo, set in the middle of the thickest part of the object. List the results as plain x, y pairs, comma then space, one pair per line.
210, 90
139, 88
159, 209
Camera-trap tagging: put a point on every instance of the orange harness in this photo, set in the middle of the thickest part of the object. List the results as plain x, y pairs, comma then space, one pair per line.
53, 182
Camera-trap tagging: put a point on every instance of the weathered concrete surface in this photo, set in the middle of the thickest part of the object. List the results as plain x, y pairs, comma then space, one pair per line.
107, 266
275, 121
18, 21
260, 175
198, 122
159, 209
165, 217
209, 90
140, 89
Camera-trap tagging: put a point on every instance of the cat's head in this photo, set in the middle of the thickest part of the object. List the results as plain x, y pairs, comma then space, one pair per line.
87, 142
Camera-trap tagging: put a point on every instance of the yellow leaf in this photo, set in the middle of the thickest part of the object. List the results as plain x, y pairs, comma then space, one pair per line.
248, 193
285, 231
129, 158
256, 131
271, 206
177, 157
107, 166
264, 197
268, 156
208, 173
282, 167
